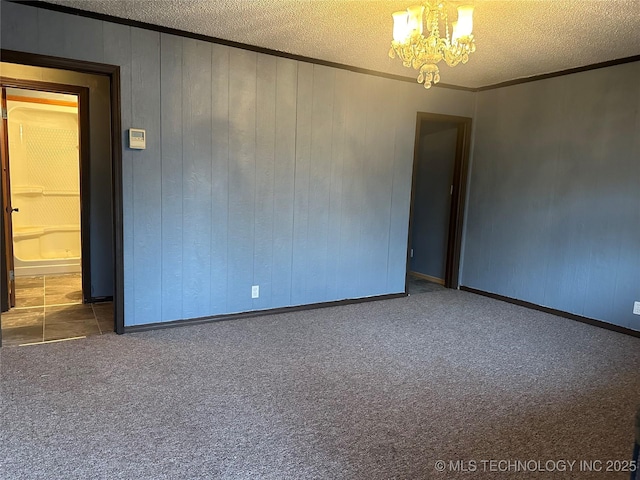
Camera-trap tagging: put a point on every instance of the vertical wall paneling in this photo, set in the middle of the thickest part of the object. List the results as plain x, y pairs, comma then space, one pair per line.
147, 171
83, 38
196, 218
22, 35
51, 34
284, 171
242, 177
351, 256
338, 137
265, 162
610, 210
377, 172
404, 122
219, 177
627, 256
479, 219
567, 277
117, 51
318, 228
627, 283
171, 89
536, 167
301, 267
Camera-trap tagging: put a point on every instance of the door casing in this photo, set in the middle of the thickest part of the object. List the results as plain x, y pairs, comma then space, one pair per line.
9, 296
458, 195
113, 73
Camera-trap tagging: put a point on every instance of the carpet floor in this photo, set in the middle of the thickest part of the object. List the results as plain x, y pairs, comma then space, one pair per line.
376, 390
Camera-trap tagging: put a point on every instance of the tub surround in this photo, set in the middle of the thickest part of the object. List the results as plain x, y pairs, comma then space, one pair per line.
45, 185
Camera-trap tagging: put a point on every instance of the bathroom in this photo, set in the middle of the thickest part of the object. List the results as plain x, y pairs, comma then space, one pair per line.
44, 184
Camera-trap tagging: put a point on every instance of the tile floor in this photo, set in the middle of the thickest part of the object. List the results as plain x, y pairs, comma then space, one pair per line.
49, 307
417, 285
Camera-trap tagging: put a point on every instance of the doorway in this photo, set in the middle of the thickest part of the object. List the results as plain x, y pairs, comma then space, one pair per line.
45, 161
44, 183
437, 202
92, 291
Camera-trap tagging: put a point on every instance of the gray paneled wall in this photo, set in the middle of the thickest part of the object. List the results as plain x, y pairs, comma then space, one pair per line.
554, 207
258, 170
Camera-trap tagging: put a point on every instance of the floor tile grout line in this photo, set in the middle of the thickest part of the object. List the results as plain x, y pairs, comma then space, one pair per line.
52, 305
95, 317
51, 341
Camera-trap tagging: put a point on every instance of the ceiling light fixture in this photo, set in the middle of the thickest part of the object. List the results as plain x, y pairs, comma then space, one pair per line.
424, 52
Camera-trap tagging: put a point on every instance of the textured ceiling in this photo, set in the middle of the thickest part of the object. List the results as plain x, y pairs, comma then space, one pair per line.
515, 38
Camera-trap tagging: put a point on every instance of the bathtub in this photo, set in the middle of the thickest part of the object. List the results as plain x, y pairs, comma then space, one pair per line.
45, 172
46, 250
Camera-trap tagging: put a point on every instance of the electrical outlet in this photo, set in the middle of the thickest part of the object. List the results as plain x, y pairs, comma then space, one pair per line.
412, 253
636, 308
255, 291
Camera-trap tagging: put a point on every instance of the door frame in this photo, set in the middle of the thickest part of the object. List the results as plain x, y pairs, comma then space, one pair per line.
9, 284
113, 73
84, 154
458, 195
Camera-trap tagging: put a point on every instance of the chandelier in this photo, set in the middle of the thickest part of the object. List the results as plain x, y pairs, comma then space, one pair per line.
422, 52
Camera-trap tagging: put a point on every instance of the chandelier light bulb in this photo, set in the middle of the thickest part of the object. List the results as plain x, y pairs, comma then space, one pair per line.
415, 19
465, 20
400, 26
455, 34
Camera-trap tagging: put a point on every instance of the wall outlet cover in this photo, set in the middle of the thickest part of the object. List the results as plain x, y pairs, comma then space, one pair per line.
255, 291
636, 308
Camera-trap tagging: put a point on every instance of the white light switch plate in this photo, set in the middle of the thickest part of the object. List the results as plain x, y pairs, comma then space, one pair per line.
636, 308
255, 291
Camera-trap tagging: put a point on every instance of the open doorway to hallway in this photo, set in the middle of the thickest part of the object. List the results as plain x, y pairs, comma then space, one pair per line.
57, 207
437, 202
43, 180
